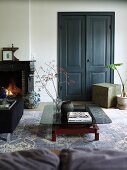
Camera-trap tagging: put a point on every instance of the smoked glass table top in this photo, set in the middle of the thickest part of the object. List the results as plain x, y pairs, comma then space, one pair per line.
50, 117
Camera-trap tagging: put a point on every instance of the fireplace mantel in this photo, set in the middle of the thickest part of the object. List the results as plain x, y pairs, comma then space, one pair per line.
27, 68
16, 65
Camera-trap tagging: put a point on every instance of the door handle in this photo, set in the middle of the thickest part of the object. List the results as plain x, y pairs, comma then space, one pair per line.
88, 60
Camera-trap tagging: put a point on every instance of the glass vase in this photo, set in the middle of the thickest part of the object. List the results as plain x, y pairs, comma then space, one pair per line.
57, 105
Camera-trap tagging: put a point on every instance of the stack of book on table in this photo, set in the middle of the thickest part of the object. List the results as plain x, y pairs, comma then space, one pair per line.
79, 117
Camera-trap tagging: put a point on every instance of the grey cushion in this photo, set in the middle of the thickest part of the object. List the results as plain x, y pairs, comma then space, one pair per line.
29, 160
88, 159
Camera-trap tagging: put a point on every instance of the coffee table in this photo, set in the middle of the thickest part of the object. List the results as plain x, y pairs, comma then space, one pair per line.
60, 127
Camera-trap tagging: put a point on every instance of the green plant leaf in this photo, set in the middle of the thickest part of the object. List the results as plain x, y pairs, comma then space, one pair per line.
119, 64
113, 66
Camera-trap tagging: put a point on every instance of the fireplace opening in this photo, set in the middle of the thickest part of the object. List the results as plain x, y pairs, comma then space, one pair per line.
11, 81
17, 77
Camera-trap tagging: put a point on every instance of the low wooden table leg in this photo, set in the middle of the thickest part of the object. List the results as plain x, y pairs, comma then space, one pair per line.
53, 135
96, 132
97, 136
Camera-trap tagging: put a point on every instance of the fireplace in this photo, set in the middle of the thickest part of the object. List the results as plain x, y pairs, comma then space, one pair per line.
17, 77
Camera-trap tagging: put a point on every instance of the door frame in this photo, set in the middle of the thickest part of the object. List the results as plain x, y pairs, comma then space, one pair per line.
111, 14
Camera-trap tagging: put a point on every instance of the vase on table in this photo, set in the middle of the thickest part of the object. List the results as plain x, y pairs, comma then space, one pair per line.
67, 106
57, 105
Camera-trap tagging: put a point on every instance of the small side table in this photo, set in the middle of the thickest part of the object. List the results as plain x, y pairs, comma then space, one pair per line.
104, 94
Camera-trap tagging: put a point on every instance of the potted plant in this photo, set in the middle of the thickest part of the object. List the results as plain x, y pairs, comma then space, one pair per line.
122, 98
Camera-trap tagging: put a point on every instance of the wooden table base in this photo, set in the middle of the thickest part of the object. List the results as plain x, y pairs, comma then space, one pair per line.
74, 130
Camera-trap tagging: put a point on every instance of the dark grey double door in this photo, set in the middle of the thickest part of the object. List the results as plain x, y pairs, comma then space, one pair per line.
85, 46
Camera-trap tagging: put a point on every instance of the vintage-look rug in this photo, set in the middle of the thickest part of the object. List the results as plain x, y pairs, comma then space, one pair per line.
30, 134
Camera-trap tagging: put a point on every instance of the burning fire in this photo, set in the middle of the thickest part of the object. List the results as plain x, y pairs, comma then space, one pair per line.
12, 89
9, 93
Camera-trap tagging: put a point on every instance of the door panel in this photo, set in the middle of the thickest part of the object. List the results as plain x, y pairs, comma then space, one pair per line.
72, 57
98, 51
97, 77
73, 42
85, 47
73, 89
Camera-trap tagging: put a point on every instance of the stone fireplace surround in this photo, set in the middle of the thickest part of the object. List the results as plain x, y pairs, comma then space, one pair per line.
23, 71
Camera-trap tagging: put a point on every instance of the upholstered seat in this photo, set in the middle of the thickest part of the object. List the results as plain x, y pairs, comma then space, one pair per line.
10, 118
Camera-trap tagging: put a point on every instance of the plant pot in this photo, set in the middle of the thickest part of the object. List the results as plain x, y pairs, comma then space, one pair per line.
122, 102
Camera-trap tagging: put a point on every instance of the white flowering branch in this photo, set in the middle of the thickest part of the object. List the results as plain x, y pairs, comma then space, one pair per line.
50, 74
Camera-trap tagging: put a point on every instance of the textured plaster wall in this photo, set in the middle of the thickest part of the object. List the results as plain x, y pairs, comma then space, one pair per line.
14, 26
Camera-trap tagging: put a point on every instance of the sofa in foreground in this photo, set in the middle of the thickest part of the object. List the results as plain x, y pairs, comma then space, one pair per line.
66, 159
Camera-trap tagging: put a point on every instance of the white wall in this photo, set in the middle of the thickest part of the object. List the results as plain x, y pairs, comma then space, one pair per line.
44, 27
14, 26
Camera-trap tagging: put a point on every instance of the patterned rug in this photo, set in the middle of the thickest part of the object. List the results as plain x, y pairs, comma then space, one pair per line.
30, 134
